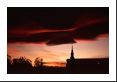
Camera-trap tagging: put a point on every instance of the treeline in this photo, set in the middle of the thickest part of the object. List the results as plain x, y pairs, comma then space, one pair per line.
23, 65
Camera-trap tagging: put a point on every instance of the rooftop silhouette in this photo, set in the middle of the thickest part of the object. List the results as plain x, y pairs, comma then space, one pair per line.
87, 65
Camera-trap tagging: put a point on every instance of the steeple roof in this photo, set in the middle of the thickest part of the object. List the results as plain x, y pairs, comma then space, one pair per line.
72, 53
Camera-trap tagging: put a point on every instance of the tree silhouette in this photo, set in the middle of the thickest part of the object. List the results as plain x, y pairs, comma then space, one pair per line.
9, 64
22, 61
38, 62
9, 61
22, 65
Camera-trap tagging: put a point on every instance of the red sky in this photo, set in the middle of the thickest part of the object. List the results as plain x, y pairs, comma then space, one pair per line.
98, 48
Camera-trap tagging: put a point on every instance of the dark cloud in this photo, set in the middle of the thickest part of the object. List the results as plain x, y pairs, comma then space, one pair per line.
56, 25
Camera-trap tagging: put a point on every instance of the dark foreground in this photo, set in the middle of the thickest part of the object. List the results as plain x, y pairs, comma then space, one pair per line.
83, 67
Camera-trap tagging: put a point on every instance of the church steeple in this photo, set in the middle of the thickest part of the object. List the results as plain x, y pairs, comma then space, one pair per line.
72, 53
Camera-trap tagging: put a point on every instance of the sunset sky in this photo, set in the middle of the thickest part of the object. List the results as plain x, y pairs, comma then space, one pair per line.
49, 33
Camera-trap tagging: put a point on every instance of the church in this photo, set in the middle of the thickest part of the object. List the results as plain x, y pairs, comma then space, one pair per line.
87, 65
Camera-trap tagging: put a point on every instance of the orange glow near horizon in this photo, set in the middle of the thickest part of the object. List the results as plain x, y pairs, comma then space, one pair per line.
59, 53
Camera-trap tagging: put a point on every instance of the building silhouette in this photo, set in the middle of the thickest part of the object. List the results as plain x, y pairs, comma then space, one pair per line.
87, 65
71, 61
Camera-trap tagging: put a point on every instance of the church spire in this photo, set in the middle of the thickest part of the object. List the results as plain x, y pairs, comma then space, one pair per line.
72, 53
